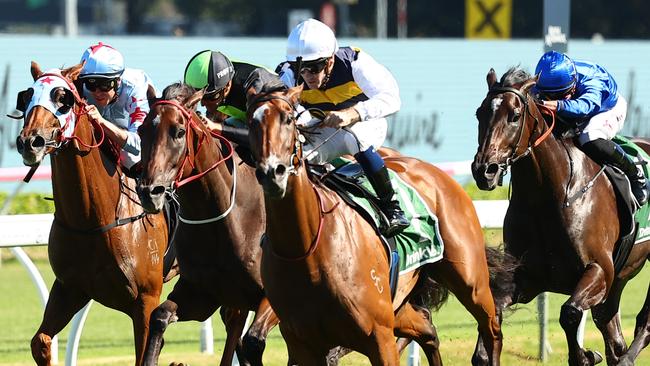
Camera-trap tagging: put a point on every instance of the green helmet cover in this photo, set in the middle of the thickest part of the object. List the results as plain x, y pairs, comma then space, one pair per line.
209, 69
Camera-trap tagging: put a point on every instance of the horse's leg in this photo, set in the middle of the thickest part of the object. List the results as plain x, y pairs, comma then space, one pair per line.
254, 341
607, 320
183, 303
234, 321
470, 283
62, 305
141, 316
590, 290
641, 334
299, 352
382, 350
416, 325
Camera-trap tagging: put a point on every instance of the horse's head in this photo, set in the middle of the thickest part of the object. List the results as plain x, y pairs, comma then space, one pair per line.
507, 121
166, 143
48, 112
274, 137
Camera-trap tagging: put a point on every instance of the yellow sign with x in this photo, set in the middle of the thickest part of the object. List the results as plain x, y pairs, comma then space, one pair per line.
488, 18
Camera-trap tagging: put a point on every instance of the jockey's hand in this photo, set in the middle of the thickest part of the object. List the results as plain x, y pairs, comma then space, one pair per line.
551, 105
342, 118
93, 113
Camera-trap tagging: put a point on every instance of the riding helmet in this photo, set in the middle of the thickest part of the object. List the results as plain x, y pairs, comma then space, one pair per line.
210, 69
311, 40
556, 71
102, 61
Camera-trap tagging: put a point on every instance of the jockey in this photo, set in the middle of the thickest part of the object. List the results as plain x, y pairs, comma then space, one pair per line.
117, 97
581, 91
358, 93
226, 86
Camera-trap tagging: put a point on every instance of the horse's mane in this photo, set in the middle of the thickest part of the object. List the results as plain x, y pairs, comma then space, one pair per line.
514, 76
178, 90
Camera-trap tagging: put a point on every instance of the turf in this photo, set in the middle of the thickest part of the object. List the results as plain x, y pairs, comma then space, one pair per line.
106, 338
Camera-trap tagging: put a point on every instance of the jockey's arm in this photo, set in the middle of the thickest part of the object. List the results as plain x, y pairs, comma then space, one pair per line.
378, 84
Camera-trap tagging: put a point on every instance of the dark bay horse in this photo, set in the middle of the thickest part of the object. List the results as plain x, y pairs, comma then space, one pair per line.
563, 237
92, 256
324, 269
222, 221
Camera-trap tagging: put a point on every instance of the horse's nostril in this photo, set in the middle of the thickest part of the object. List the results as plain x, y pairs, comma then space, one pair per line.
38, 142
280, 170
157, 190
492, 168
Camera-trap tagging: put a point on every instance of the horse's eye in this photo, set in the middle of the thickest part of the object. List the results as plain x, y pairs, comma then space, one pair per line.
177, 132
515, 117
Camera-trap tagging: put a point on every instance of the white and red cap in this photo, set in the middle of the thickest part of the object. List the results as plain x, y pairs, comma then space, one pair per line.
102, 61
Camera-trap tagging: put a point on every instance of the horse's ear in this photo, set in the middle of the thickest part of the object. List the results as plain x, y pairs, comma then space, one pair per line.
151, 94
491, 78
192, 100
293, 94
72, 73
36, 70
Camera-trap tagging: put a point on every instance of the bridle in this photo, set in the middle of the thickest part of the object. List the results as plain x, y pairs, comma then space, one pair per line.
524, 98
192, 124
296, 159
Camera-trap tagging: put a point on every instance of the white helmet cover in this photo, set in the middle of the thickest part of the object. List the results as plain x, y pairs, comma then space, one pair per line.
102, 61
311, 40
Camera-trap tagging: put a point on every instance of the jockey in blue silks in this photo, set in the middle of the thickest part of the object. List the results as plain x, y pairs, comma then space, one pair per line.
584, 93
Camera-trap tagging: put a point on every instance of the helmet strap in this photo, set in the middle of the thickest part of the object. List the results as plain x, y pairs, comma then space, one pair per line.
326, 79
296, 73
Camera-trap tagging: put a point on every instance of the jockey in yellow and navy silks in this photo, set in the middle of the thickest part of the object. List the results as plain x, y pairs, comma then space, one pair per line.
117, 98
226, 85
584, 92
357, 93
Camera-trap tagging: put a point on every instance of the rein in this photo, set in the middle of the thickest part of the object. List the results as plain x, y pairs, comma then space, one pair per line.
192, 124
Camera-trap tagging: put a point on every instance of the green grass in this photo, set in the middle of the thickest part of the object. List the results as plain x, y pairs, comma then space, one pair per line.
106, 339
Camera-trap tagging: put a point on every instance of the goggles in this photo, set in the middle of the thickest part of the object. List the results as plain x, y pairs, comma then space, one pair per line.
312, 67
92, 84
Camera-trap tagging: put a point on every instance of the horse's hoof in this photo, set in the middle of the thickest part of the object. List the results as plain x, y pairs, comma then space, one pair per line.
177, 364
594, 357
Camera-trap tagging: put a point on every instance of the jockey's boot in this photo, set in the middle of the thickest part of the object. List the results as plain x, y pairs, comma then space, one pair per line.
608, 152
377, 173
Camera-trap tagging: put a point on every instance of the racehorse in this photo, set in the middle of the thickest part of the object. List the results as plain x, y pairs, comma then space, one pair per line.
324, 269
101, 246
221, 222
561, 228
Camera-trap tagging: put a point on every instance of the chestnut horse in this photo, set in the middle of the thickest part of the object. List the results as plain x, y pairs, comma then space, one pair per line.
93, 255
563, 231
325, 270
221, 222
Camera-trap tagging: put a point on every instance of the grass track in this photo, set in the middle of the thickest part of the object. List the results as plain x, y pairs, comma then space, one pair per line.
106, 339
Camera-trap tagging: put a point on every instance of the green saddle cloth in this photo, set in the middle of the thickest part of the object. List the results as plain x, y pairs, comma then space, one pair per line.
641, 215
421, 242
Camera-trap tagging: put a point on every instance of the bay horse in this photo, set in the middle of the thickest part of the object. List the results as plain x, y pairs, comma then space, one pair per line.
101, 246
324, 269
561, 229
221, 222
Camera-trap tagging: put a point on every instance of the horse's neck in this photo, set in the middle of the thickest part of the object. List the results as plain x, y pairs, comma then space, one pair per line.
549, 170
293, 221
81, 181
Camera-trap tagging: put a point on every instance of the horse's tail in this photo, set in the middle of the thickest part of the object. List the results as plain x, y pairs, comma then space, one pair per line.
429, 294
501, 266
